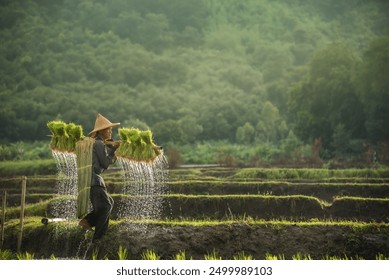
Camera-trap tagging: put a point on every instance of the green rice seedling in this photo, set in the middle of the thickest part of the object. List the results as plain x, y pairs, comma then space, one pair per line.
300, 256
58, 138
129, 140
95, 253
5, 255
64, 136
381, 257
133, 138
75, 135
136, 145
125, 142
150, 255
60, 130
54, 137
335, 258
212, 256
148, 152
146, 136
181, 255
269, 256
25, 256
138, 154
242, 256
123, 132
69, 140
344, 258
122, 253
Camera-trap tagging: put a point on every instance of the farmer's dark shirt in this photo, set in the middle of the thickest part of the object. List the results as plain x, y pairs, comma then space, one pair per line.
103, 155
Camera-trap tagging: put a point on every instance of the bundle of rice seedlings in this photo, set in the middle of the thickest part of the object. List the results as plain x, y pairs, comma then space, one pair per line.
149, 152
125, 142
135, 151
64, 136
75, 135
60, 130
54, 137
84, 151
59, 135
70, 145
136, 145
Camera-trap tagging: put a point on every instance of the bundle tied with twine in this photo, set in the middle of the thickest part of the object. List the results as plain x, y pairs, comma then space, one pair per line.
137, 145
84, 151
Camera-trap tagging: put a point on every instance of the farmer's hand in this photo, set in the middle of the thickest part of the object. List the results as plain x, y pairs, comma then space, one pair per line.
116, 144
112, 143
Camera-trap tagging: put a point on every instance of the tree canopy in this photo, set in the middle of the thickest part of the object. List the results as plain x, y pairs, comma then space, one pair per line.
196, 70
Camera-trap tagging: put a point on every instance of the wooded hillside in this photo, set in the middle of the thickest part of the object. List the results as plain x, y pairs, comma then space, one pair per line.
249, 72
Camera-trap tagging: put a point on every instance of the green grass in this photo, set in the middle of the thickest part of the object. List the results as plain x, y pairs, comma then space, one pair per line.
259, 222
150, 255
229, 182
212, 256
310, 173
271, 257
357, 198
25, 256
35, 209
180, 256
6, 255
381, 257
247, 196
243, 256
27, 168
122, 253
302, 256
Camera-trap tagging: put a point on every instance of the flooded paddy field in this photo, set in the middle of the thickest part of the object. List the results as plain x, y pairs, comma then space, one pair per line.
224, 211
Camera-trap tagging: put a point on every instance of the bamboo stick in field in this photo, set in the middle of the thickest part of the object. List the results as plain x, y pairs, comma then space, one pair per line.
22, 206
3, 217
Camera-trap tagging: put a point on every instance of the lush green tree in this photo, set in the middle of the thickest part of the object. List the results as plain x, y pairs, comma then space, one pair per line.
194, 70
327, 97
168, 131
340, 140
191, 128
290, 145
374, 89
270, 127
245, 134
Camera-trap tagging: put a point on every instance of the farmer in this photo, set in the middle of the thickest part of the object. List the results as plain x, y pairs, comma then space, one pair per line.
103, 155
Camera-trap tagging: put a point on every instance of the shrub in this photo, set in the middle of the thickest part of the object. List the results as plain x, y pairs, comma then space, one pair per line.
174, 157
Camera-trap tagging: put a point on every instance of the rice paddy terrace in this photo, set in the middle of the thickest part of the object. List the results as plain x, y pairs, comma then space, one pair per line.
282, 213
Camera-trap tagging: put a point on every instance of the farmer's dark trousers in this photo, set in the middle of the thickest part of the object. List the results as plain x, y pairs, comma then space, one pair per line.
102, 204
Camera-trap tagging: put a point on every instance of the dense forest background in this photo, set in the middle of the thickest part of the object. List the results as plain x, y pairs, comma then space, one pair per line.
252, 81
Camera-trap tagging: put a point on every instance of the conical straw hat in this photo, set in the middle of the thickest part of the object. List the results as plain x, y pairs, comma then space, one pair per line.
101, 124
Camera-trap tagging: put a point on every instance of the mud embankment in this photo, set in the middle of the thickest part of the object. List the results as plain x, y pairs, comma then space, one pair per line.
318, 241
